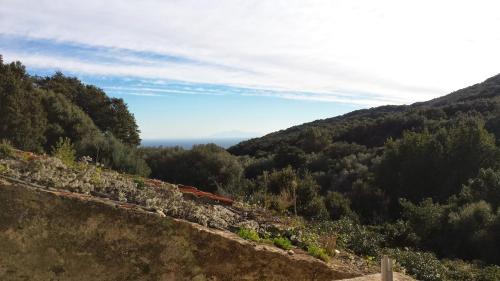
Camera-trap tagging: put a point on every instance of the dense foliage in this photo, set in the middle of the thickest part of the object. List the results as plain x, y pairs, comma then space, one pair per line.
38, 112
428, 173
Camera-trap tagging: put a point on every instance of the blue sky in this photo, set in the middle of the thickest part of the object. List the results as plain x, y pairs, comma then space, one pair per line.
167, 108
198, 68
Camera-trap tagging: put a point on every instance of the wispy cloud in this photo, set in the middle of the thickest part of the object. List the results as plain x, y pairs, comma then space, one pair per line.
151, 88
357, 52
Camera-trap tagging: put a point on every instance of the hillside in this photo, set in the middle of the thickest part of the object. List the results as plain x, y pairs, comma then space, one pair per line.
371, 127
424, 175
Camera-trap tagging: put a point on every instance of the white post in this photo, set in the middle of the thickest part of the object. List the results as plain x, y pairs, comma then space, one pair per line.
386, 269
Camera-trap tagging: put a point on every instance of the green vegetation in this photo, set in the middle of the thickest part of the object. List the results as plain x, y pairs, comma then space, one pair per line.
3, 168
424, 266
139, 182
249, 234
424, 176
283, 243
65, 152
6, 150
36, 112
318, 252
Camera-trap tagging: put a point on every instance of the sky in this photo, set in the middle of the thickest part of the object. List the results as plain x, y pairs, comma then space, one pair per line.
196, 68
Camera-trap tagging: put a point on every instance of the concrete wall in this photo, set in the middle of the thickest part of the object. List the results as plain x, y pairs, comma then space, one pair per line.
61, 236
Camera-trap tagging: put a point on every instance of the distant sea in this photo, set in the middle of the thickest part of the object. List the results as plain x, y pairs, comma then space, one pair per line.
188, 143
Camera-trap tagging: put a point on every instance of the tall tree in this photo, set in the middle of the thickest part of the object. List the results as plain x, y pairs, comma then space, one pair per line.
109, 114
22, 119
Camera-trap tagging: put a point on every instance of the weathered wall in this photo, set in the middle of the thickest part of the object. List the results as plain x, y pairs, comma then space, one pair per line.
53, 236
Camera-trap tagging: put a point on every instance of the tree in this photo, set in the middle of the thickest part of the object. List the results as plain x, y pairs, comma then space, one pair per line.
108, 114
308, 201
426, 219
207, 167
314, 140
337, 205
436, 164
289, 156
22, 119
486, 186
108, 150
471, 225
65, 120
124, 126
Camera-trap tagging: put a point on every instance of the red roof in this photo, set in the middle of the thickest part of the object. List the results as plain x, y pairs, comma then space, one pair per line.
198, 193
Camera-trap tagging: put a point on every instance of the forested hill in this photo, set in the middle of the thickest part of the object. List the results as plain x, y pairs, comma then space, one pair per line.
39, 113
372, 127
427, 174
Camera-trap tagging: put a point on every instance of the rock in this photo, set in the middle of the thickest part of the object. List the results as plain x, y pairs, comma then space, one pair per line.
130, 242
290, 252
161, 213
249, 224
336, 252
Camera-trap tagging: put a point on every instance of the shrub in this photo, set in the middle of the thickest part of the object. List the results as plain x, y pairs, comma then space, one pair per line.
3, 168
337, 205
309, 203
249, 234
399, 234
139, 182
426, 218
421, 265
96, 177
6, 149
318, 252
282, 202
108, 150
283, 243
208, 167
329, 242
458, 270
65, 151
303, 236
489, 273
358, 238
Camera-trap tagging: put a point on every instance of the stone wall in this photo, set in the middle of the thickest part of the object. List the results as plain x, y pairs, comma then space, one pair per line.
46, 235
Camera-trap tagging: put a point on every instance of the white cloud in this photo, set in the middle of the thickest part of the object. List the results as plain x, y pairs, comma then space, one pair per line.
399, 51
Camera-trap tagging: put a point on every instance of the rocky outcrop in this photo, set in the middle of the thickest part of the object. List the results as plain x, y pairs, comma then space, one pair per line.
57, 235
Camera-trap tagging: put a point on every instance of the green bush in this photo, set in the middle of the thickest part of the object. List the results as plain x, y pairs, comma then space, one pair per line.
139, 182
458, 270
65, 151
283, 243
398, 234
303, 236
318, 252
3, 168
208, 167
356, 237
337, 205
6, 150
108, 150
249, 234
421, 265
